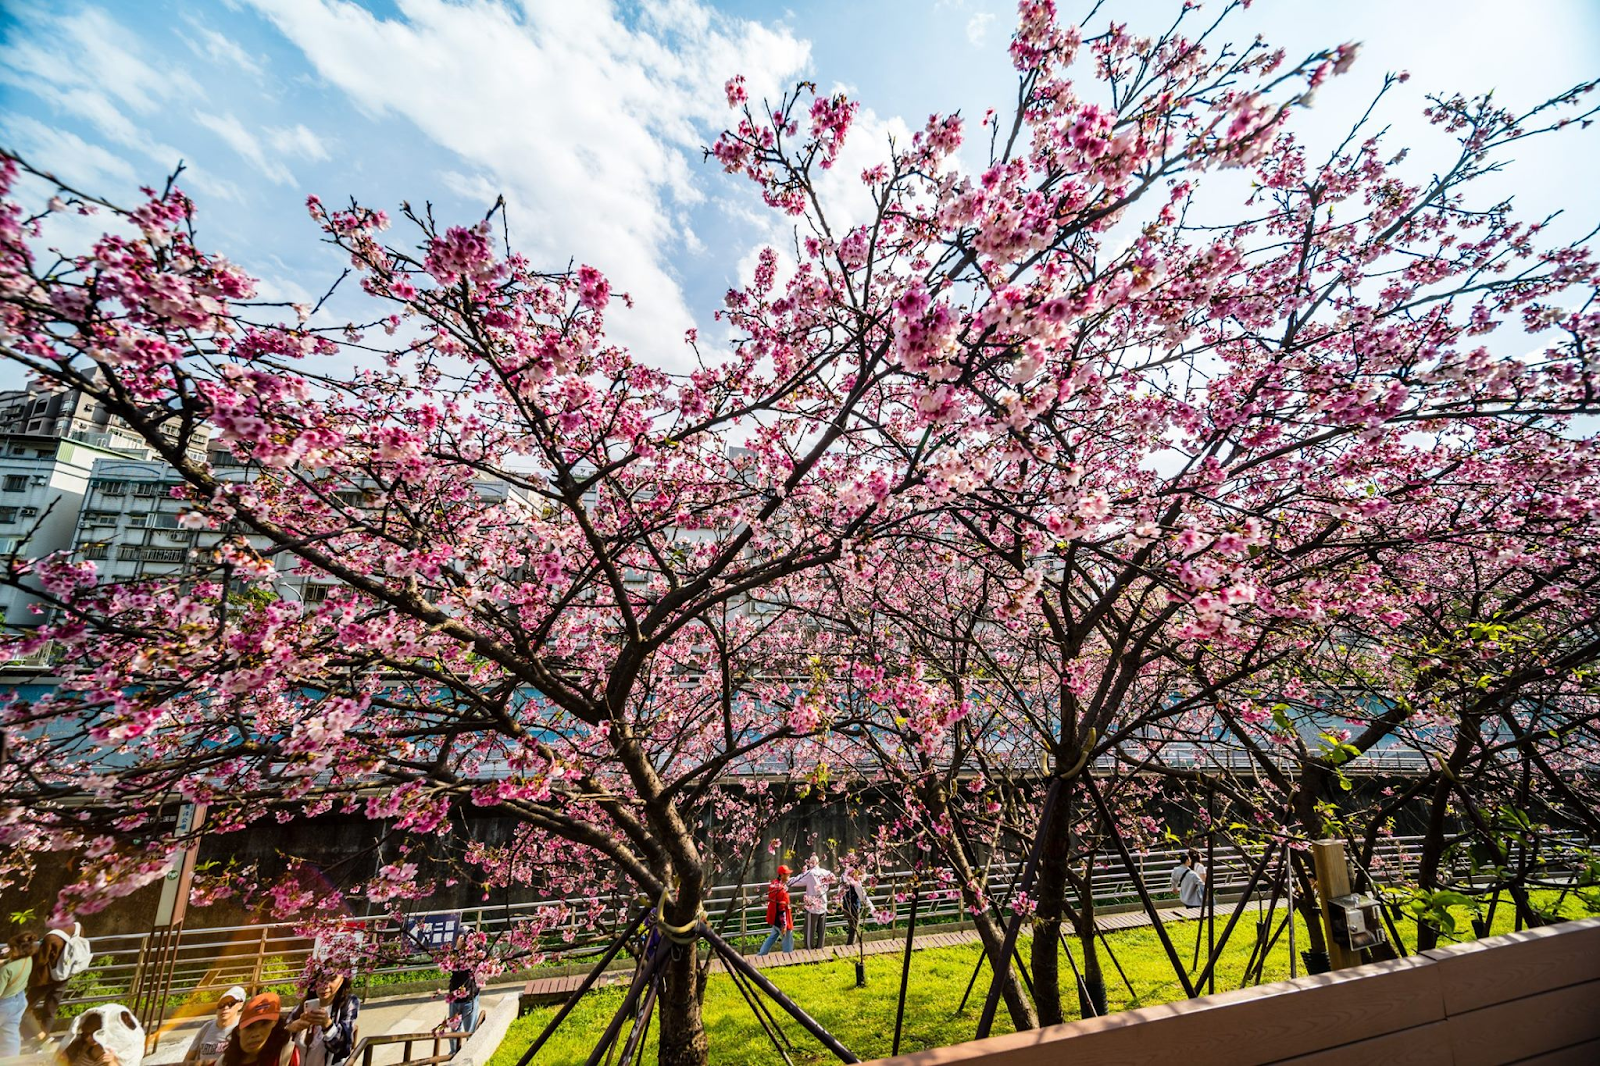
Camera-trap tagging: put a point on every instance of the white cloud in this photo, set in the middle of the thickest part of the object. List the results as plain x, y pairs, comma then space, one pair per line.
90, 52
241, 140
845, 199
87, 166
277, 288
978, 27
85, 65
220, 49
691, 239
589, 124
297, 141
474, 188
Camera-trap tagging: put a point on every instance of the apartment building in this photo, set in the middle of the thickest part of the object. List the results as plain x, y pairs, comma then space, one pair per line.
128, 521
128, 524
42, 484
69, 414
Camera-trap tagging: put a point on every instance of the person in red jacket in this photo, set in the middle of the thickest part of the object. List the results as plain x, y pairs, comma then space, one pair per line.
780, 916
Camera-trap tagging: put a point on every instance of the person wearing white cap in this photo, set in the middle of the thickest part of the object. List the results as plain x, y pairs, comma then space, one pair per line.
212, 1038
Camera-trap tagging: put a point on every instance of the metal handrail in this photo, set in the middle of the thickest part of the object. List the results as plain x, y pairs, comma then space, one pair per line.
438, 1034
204, 962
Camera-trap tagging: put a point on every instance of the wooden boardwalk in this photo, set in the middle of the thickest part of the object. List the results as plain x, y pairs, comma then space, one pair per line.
553, 989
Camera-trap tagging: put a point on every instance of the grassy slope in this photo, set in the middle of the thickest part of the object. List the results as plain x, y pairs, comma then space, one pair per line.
863, 1019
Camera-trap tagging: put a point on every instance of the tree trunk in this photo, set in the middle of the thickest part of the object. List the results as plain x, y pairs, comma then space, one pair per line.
1093, 979
1432, 855
682, 1038
1314, 779
1050, 891
953, 848
992, 934
1305, 901
683, 1032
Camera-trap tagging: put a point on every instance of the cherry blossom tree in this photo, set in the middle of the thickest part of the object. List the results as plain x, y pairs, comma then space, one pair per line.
543, 548
1489, 675
1190, 448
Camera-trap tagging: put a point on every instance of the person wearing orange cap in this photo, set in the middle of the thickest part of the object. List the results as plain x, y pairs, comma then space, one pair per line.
780, 914
261, 1038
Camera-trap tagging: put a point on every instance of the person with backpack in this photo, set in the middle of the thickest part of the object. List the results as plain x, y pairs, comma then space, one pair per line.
1187, 881
63, 955
855, 903
780, 915
16, 966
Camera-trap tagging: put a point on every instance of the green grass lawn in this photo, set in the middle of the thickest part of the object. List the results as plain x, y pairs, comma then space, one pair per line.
863, 1018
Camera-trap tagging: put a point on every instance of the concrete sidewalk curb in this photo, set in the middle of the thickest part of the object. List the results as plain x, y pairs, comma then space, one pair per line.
483, 1043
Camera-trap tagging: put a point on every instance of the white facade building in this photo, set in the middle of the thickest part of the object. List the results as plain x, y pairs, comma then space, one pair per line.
68, 414
128, 524
42, 483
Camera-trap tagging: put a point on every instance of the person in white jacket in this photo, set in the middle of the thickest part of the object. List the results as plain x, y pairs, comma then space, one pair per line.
814, 882
105, 1035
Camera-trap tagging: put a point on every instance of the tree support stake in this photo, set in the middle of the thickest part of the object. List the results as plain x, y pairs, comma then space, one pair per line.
577, 993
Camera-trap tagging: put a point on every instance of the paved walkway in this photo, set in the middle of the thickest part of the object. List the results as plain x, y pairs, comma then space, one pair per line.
379, 1017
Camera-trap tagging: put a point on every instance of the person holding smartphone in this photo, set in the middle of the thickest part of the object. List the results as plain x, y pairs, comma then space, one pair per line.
324, 1024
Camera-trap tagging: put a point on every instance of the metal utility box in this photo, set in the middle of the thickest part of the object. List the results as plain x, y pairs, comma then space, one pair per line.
1357, 921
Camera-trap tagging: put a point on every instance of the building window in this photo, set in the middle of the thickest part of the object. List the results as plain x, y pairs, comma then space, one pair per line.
113, 488
16, 482
95, 551
8, 514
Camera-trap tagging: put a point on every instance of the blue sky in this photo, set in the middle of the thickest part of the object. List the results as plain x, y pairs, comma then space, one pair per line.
590, 116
